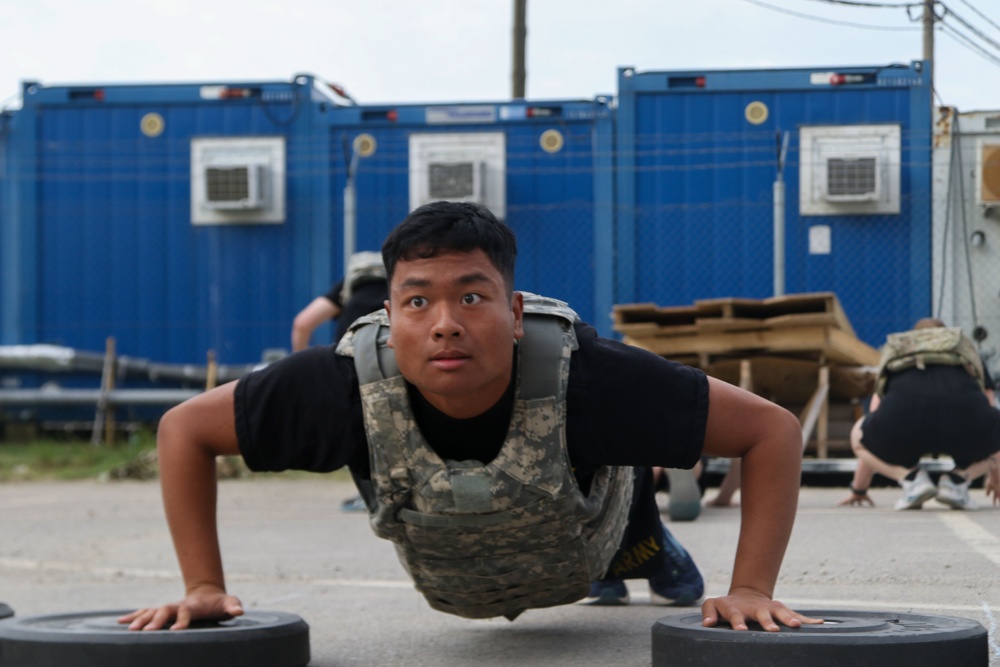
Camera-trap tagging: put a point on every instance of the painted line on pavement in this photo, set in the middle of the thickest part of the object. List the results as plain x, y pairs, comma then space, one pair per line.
980, 540
25, 564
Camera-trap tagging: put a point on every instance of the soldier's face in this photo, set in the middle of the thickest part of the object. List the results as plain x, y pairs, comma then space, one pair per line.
453, 329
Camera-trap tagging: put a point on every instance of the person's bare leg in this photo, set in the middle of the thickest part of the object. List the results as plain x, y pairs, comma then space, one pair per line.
729, 486
893, 472
974, 471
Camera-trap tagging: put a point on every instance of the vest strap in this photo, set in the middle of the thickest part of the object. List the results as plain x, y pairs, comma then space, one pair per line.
373, 359
415, 518
541, 351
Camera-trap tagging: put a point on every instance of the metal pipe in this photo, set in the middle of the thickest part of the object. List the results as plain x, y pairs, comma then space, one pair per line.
779, 217
50, 358
58, 359
779, 237
350, 210
166, 397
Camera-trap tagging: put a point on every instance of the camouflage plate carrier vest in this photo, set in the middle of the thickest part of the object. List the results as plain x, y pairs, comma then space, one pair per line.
919, 348
490, 540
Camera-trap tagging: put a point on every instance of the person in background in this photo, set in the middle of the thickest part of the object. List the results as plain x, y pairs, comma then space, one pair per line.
933, 396
363, 290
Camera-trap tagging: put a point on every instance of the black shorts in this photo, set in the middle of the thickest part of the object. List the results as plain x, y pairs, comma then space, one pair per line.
641, 554
938, 410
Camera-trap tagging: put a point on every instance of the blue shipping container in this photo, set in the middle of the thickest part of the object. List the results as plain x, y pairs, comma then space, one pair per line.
104, 231
697, 156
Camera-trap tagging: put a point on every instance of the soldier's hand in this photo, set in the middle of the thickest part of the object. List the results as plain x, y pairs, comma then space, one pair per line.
743, 606
204, 604
857, 500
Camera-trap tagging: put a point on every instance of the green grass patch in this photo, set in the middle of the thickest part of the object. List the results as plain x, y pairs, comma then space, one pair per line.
67, 459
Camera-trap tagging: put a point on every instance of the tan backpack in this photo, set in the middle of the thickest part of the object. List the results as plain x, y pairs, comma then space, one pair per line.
919, 348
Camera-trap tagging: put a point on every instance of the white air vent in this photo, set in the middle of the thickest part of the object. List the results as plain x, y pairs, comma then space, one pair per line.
849, 170
456, 181
459, 166
237, 187
852, 179
237, 180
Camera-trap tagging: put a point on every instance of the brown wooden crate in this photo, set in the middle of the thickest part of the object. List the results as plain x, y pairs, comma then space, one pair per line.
836, 345
633, 312
638, 329
736, 314
668, 316
790, 381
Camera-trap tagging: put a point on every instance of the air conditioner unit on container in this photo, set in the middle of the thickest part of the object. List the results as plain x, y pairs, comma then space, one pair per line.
853, 178
237, 180
849, 169
457, 180
989, 175
236, 187
459, 166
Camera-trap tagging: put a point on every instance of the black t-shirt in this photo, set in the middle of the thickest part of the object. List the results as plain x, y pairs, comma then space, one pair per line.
625, 406
987, 376
333, 296
366, 297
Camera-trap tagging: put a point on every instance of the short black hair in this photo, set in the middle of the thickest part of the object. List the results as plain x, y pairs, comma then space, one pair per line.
443, 227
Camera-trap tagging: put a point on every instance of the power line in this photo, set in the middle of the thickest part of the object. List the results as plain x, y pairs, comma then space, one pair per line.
965, 41
981, 15
880, 5
960, 37
909, 5
950, 12
821, 19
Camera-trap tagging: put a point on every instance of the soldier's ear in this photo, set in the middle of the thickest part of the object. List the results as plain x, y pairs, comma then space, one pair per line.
517, 306
388, 313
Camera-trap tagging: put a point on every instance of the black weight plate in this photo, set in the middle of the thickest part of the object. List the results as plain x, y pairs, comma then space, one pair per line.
855, 638
5, 611
96, 639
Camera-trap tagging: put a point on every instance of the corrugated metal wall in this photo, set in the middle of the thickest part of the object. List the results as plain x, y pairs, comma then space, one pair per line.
105, 245
695, 186
550, 197
966, 286
666, 199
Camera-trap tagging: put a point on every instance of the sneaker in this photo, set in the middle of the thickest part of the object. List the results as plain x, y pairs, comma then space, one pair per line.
679, 584
954, 494
355, 504
608, 593
916, 491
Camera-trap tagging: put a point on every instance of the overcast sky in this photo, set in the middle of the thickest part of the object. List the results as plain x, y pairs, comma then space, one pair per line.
460, 50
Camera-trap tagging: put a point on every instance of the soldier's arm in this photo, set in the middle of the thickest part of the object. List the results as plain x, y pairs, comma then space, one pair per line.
319, 311
768, 440
189, 438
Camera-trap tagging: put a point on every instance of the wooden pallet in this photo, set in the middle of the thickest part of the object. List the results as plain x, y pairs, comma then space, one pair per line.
792, 382
796, 350
796, 324
731, 314
818, 342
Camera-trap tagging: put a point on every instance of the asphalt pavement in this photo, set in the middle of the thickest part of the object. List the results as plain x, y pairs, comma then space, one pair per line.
87, 546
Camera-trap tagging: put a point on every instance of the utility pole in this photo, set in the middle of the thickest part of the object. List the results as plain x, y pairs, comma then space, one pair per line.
928, 23
518, 74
